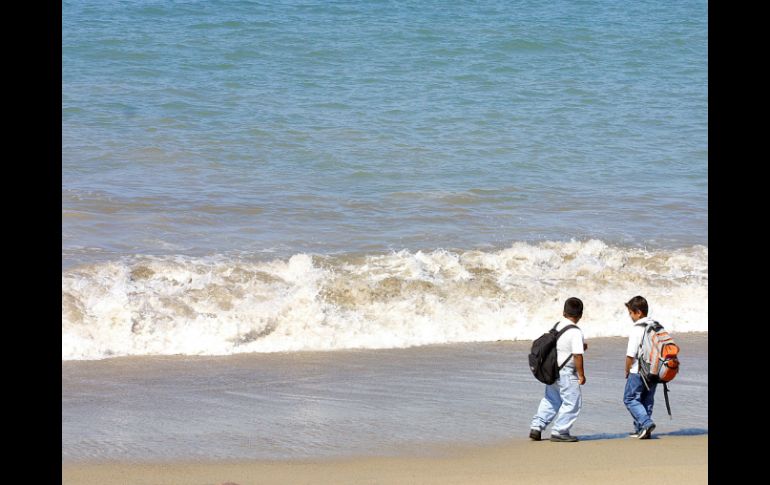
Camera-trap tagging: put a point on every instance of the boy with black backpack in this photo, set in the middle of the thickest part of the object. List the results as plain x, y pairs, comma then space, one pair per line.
563, 397
659, 363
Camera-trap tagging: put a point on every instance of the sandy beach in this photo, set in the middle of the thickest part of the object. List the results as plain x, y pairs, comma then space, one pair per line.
452, 415
681, 459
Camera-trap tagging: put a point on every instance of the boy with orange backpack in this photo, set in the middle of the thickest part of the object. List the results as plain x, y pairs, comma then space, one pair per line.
651, 358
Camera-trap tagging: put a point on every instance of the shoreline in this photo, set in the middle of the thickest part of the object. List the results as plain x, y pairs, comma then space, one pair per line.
682, 459
157, 358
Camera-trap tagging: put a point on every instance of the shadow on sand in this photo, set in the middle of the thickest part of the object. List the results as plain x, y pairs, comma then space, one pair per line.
613, 436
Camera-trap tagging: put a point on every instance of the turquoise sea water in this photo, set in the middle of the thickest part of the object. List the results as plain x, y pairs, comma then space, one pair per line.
284, 127
275, 176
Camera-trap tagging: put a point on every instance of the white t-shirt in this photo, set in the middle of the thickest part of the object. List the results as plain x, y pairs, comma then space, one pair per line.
634, 340
570, 342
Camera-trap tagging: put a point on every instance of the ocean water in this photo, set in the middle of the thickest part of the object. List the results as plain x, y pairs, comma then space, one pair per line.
276, 176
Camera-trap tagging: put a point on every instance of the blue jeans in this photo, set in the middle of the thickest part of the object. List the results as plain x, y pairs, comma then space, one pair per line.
639, 401
562, 399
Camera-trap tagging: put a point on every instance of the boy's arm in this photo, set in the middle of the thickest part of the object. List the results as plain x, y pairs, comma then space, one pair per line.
632, 348
579, 368
629, 363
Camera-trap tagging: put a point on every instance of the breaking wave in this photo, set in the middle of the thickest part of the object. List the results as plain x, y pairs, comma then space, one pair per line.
223, 305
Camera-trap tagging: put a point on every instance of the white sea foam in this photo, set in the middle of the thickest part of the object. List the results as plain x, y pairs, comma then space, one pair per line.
219, 306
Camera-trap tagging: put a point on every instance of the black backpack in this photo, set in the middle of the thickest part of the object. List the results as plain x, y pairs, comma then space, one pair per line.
542, 357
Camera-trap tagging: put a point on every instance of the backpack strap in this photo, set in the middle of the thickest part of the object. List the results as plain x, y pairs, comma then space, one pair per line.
644, 379
646, 326
568, 327
665, 394
561, 332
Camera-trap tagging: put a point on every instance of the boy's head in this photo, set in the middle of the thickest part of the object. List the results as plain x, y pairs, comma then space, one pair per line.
637, 307
573, 307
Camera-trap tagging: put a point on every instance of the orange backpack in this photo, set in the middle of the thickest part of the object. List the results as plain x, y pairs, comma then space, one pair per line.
658, 357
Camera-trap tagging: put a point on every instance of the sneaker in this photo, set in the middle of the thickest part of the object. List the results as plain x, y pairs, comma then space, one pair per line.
563, 438
534, 434
635, 434
646, 432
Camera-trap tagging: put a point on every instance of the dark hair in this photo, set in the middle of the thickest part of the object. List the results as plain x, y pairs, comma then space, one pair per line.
573, 307
637, 304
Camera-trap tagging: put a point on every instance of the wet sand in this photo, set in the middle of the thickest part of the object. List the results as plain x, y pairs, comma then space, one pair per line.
317, 405
437, 414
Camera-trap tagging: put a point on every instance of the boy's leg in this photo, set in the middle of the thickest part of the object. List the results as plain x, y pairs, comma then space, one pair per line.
548, 407
571, 403
648, 398
632, 395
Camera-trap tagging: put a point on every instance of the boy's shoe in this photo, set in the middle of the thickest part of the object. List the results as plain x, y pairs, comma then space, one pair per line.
646, 432
635, 434
563, 438
534, 434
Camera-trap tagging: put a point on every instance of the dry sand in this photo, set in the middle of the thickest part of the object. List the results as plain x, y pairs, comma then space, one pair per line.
677, 459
